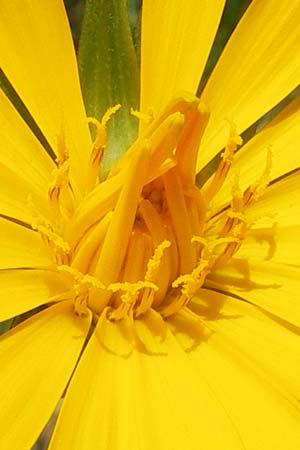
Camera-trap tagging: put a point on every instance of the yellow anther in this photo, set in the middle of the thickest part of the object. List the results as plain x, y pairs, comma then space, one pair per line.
60, 247
131, 290
110, 112
213, 242
59, 185
100, 139
233, 142
155, 261
62, 151
193, 281
81, 280
98, 145
224, 165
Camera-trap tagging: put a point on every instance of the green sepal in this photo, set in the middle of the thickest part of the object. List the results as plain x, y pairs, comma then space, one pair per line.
109, 73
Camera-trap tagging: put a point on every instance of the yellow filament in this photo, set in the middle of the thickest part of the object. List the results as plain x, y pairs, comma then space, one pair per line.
94, 206
89, 244
146, 302
188, 146
135, 267
178, 303
163, 142
159, 234
180, 220
130, 296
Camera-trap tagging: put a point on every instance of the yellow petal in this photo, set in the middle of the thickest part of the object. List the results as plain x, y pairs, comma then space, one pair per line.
251, 366
37, 359
115, 336
272, 286
259, 66
150, 331
21, 247
20, 150
273, 244
141, 402
176, 39
23, 290
280, 138
19, 196
37, 55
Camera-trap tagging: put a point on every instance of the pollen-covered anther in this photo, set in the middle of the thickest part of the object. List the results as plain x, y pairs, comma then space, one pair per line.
188, 285
129, 297
82, 285
59, 185
60, 248
155, 261
98, 145
227, 157
81, 279
233, 143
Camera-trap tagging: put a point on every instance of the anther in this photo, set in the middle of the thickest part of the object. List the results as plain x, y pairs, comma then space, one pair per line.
224, 165
98, 145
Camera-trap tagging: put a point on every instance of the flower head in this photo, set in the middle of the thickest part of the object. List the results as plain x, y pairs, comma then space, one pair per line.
163, 313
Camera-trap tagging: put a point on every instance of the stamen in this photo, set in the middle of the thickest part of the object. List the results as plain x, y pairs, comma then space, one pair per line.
98, 146
130, 296
95, 206
188, 146
63, 153
159, 235
193, 281
155, 262
182, 106
180, 220
59, 186
163, 143
58, 245
88, 245
223, 168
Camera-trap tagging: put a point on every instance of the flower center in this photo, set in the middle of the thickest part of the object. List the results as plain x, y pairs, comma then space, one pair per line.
145, 238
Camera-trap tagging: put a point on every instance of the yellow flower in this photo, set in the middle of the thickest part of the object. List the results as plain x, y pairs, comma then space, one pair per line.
168, 314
